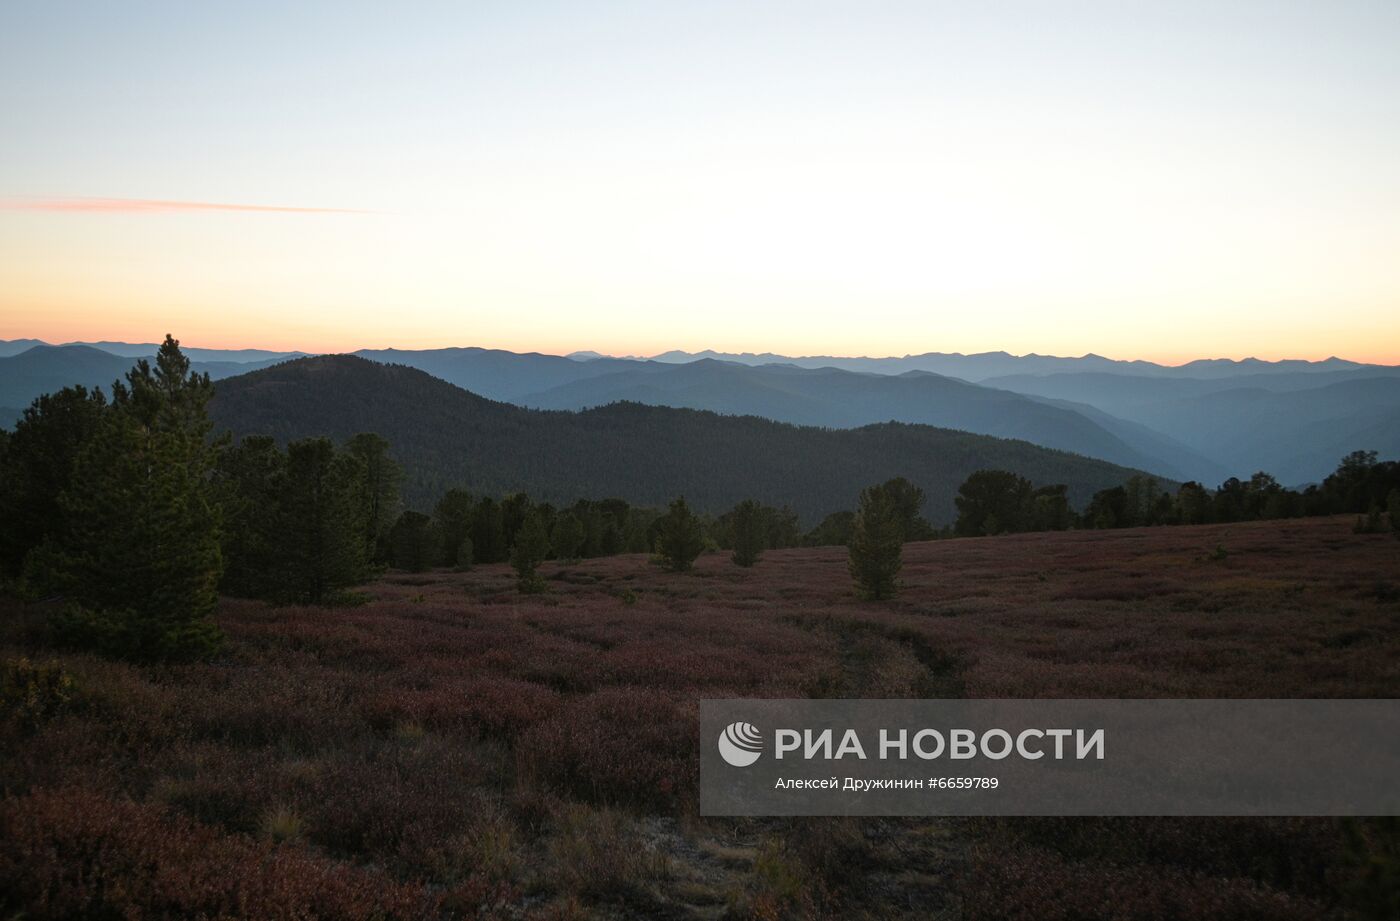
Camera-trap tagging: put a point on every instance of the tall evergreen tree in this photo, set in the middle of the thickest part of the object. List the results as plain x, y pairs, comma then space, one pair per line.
907, 499
414, 542
248, 484
531, 547
749, 533
138, 553
877, 545
38, 467
568, 536
680, 537
993, 502
453, 518
488, 534
321, 533
380, 478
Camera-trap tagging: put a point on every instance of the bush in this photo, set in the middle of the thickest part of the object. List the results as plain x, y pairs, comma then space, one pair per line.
72, 854
31, 694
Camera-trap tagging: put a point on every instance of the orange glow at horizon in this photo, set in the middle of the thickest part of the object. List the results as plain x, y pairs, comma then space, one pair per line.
196, 331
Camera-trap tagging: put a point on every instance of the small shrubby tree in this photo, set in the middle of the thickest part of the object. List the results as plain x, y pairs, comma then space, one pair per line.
679, 537
876, 545
748, 532
465, 555
531, 547
1393, 509
137, 549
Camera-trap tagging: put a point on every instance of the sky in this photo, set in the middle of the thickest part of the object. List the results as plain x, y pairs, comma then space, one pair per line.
1165, 181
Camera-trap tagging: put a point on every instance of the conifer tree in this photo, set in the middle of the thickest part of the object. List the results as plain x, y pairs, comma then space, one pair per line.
38, 467
749, 532
679, 538
248, 485
138, 554
452, 517
321, 529
876, 545
380, 479
531, 547
414, 542
488, 534
568, 536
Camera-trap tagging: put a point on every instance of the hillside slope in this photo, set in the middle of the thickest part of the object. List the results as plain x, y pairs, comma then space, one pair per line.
445, 436
833, 398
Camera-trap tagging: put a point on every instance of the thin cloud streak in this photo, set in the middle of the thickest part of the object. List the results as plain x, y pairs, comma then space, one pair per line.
151, 206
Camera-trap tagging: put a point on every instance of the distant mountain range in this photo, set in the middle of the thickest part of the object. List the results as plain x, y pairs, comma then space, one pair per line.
446, 436
982, 365
1206, 420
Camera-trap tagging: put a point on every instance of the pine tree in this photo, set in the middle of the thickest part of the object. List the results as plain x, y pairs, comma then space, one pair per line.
321, 529
138, 554
248, 484
876, 545
531, 547
488, 534
379, 483
748, 531
465, 555
38, 467
679, 538
453, 518
414, 542
568, 536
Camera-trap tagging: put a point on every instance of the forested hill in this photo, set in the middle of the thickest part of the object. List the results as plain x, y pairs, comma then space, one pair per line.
445, 436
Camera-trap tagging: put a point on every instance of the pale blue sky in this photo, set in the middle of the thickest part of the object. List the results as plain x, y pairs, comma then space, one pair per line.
1141, 180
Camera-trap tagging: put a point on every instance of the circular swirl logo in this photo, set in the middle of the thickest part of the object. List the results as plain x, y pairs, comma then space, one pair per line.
740, 744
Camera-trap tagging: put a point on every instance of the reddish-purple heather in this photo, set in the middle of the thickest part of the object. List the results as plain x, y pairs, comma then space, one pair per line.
430, 750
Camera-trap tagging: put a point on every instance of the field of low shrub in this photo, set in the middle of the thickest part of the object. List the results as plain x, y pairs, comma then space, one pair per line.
453, 749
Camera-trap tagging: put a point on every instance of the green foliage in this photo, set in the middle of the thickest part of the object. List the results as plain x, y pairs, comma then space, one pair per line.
31, 694
679, 538
488, 532
321, 543
531, 547
464, 556
37, 467
994, 502
568, 536
414, 542
1192, 504
906, 499
835, 530
452, 516
249, 480
877, 544
378, 490
748, 533
137, 550
1393, 511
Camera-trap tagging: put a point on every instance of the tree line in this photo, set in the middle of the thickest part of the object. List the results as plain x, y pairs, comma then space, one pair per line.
1000, 502
126, 510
